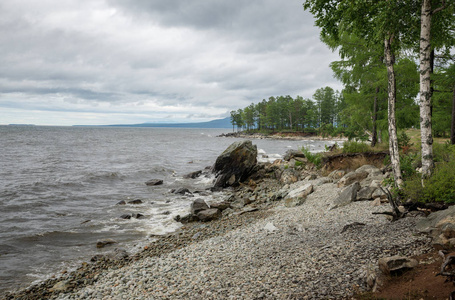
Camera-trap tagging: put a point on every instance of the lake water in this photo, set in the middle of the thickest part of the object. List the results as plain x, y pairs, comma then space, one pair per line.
59, 189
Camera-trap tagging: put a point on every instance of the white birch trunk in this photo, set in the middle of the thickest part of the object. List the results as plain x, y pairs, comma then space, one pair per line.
425, 91
393, 138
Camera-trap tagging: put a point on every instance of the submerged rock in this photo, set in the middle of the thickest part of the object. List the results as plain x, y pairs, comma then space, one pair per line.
154, 182
105, 242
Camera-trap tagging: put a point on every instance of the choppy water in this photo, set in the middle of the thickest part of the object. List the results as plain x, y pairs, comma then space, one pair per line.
59, 187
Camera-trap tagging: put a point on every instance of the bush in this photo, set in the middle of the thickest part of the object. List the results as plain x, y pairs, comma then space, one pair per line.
355, 147
438, 188
314, 158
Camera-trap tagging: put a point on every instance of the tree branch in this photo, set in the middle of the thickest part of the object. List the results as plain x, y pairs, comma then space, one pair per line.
443, 6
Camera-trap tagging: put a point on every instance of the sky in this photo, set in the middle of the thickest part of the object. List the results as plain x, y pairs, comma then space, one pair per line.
99, 62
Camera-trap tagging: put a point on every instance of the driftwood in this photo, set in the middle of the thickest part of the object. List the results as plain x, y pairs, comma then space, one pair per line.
449, 261
395, 213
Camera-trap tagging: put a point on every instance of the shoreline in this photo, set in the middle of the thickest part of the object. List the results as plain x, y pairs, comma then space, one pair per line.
292, 136
304, 244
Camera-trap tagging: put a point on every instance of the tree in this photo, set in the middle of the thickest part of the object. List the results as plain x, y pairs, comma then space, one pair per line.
326, 102
373, 21
426, 52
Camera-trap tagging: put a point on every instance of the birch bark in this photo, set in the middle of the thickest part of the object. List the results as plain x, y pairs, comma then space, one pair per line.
425, 90
393, 138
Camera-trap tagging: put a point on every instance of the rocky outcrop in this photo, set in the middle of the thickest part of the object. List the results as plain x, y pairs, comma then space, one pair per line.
235, 164
348, 195
441, 227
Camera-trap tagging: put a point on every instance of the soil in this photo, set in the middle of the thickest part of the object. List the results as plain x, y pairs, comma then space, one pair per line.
419, 283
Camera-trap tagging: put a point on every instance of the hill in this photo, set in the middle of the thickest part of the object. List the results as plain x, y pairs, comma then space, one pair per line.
219, 123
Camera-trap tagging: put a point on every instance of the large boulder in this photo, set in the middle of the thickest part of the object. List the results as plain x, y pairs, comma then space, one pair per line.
209, 214
352, 177
441, 227
348, 195
198, 205
235, 164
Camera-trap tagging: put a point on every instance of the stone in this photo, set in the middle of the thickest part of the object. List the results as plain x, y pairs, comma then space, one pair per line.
293, 202
105, 242
135, 202
371, 170
193, 175
220, 205
123, 202
352, 177
125, 216
300, 192
235, 164
198, 205
60, 286
270, 227
396, 264
182, 191
154, 182
348, 195
209, 214
185, 219
378, 193
365, 193
138, 216
293, 154
376, 202
289, 176
337, 174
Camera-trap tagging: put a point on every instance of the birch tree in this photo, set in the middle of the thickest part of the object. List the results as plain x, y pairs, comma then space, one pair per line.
374, 21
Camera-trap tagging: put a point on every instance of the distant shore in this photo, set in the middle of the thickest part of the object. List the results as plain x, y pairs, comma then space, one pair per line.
292, 136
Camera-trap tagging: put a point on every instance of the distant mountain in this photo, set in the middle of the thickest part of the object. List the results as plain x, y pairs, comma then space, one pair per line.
219, 123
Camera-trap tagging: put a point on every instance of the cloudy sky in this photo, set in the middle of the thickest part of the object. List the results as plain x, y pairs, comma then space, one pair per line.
66, 62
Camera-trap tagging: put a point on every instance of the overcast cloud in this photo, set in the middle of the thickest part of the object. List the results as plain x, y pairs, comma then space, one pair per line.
134, 61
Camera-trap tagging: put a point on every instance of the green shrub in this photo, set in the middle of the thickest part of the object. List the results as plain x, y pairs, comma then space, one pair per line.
298, 163
355, 147
407, 165
443, 152
314, 158
440, 187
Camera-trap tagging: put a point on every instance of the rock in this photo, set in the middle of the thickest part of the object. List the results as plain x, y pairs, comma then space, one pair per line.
154, 182
60, 286
209, 214
348, 195
123, 202
352, 177
371, 170
193, 175
138, 216
337, 174
125, 216
321, 181
182, 191
365, 193
270, 227
137, 201
105, 242
235, 164
293, 154
396, 264
186, 219
198, 205
378, 193
289, 176
376, 202
220, 205
441, 227
293, 202
300, 193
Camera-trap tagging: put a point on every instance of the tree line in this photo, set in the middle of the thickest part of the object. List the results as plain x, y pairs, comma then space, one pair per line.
397, 69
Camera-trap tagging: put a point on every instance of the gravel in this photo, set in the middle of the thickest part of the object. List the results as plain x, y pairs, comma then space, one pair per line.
304, 252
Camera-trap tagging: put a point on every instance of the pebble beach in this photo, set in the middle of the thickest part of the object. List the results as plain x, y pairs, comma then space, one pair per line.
304, 252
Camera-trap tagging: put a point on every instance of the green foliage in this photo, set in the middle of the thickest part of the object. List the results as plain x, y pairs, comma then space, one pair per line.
438, 188
443, 152
407, 165
404, 142
355, 147
298, 163
314, 158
